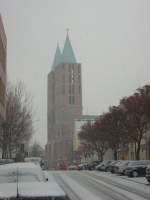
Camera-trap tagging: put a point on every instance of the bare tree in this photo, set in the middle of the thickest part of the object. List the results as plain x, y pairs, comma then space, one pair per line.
36, 150
137, 108
94, 136
18, 126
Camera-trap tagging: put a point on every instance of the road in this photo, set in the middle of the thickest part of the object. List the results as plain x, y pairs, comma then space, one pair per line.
87, 185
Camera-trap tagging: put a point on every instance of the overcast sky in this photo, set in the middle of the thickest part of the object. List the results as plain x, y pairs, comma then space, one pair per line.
111, 38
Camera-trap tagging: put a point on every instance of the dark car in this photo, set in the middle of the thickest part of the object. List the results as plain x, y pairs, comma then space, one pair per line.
137, 168
92, 165
148, 173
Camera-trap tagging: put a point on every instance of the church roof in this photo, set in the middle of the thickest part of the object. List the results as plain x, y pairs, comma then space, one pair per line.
57, 58
68, 54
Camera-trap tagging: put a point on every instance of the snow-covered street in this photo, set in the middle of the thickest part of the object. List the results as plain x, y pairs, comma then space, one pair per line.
92, 185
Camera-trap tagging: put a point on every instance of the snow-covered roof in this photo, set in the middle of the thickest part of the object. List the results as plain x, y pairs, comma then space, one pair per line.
68, 55
8, 190
57, 58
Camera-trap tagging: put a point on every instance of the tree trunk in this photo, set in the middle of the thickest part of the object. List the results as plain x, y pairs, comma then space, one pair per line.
102, 155
115, 154
98, 155
4, 151
138, 151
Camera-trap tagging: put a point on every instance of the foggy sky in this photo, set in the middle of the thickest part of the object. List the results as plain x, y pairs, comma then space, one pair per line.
111, 38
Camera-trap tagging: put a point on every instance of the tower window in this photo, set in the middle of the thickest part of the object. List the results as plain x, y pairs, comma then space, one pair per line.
79, 69
70, 100
79, 89
69, 89
73, 100
72, 89
63, 84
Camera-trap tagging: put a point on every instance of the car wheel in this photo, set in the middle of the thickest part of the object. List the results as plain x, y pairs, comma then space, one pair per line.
123, 173
135, 174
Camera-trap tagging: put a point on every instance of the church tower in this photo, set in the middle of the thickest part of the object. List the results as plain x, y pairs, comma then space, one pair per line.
64, 97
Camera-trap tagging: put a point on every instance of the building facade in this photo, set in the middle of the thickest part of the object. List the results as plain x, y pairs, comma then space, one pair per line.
64, 104
3, 56
127, 152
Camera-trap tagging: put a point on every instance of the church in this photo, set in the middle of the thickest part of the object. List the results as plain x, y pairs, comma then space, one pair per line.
64, 104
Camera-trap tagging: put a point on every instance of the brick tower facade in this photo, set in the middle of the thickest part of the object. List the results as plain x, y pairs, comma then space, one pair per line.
64, 97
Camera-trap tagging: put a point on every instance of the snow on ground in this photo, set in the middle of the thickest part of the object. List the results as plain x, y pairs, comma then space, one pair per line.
119, 190
50, 176
141, 180
40, 189
126, 181
28, 180
81, 191
8, 190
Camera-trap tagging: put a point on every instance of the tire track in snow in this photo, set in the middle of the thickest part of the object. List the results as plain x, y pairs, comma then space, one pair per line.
70, 193
139, 193
70, 186
106, 190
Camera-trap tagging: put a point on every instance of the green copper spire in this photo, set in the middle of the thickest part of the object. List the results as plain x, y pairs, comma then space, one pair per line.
68, 54
57, 58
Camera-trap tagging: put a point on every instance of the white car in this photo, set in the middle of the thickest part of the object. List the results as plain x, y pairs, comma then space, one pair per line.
27, 181
122, 167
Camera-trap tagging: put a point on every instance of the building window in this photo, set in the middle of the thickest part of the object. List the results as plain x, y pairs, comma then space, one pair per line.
73, 89
69, 68
79, 89
79, 68
2, 92
70, 100
63, 84
69, 89
2, 56
73, 99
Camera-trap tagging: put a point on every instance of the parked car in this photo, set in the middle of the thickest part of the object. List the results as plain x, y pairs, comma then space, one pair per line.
72, 167
27, 181
137, 168
148, 173
116, 166
61, 166
6, 161
111, 166
82, 166
123, 166
92, 165
102, 166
